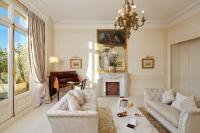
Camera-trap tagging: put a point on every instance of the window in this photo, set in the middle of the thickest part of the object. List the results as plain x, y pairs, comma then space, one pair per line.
3, 9
20, 19
21, 65
3, 62
17, 57
14, 60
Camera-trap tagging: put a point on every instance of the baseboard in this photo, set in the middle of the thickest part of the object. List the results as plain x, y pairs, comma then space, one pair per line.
12, 120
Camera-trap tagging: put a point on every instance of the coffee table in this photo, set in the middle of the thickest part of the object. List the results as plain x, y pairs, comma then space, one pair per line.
142, 124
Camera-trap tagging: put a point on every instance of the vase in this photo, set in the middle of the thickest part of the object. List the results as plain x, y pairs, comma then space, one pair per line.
112, 68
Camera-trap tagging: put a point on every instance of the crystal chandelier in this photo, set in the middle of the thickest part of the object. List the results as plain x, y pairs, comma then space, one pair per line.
128, 18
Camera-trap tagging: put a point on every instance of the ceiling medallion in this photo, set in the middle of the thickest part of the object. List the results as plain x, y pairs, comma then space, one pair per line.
128, 18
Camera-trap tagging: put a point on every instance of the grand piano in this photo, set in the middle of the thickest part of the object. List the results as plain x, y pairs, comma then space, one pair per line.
62, 77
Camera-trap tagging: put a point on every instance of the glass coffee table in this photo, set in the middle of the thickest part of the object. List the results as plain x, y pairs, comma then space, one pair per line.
142, 124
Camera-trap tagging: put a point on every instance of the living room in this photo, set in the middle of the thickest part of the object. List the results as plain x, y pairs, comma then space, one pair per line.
158, 58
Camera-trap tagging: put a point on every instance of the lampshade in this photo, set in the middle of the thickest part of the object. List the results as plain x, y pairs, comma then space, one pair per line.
53, 59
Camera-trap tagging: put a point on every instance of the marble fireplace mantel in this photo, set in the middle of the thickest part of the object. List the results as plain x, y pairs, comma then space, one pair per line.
113, 77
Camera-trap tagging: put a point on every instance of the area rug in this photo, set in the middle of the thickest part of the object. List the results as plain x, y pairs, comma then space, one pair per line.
106, 122
153, 121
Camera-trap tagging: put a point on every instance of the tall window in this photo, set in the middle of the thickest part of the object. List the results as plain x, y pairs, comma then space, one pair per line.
3, 9
3, 62
21, 65
17, 47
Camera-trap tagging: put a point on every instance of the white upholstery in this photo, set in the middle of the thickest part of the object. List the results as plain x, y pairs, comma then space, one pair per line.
168, 96
179, 100
166, 111
78, 94
184, 121
73, 104
81, 121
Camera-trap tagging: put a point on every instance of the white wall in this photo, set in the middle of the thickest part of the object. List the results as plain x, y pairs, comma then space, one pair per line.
49, 45
146, 43
187, 29
69, 42
185, 67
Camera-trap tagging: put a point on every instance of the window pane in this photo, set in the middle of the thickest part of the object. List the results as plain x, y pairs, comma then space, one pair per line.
21, 63
3, 62
3, 9
20, 19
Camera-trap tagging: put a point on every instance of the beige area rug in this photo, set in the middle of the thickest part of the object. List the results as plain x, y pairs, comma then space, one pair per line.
106, 122
153, 121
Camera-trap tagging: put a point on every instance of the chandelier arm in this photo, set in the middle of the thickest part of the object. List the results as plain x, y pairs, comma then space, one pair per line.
143, 20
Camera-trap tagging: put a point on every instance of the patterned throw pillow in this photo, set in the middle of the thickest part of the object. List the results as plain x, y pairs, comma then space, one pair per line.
168, 96
188, 103
73, 104
179, 100
183, 102
78, 94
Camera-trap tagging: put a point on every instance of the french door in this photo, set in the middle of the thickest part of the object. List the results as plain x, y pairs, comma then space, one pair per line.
15, 92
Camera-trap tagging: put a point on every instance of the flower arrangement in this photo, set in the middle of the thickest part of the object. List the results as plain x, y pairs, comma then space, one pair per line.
112, 58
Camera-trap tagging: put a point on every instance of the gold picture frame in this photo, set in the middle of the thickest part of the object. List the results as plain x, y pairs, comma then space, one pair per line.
75, 63
148, 63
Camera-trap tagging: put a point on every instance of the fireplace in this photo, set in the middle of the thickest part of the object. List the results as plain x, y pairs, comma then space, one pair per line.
112, 84
112, 88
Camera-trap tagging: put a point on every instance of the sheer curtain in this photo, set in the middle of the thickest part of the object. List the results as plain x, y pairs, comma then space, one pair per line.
37, 57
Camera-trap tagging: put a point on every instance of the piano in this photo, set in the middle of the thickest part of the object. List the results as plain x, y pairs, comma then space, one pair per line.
62, 77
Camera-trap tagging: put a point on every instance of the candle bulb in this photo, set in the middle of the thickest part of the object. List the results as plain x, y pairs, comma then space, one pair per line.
142, 11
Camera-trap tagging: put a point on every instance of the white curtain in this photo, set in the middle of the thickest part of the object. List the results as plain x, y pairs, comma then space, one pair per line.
37, 57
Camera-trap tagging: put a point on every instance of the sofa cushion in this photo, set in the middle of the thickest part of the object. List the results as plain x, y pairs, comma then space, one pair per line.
168, 96
179, 100
63, 104
73, 104
78, 94
89, 106
169, 113
188, 103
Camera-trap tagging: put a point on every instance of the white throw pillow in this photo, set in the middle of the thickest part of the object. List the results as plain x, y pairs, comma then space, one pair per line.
64, 106
73, 104
168, 96
78, 94
179, 100
188, 103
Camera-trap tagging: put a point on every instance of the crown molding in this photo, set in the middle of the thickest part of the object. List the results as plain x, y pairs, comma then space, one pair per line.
34, 9
184, 14
103, 24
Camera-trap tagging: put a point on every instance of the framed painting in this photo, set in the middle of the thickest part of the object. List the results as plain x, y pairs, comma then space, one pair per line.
76, 63
111, 37
147, 63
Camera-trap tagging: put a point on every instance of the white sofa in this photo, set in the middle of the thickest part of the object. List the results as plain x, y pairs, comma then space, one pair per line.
82, 121
186, 121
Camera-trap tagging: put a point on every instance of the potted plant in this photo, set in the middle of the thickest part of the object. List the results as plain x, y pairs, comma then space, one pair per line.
112, 60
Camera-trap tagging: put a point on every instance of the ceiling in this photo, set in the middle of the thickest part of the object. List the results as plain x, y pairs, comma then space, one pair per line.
63, 11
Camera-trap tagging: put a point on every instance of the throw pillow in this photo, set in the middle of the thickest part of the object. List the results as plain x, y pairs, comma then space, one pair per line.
63, 106
179, 100
73, 104
168, 96
79, 95
188, 103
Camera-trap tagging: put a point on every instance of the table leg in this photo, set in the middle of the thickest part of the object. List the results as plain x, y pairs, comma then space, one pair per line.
58, 94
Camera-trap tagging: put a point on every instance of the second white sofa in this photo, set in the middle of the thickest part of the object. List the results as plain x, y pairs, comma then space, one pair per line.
185, 121
84, 120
